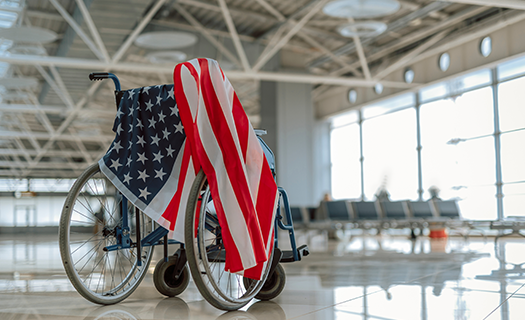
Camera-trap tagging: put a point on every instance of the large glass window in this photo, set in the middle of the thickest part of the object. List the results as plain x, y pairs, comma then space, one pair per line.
458, 140
346, 168
458, 151
390, 155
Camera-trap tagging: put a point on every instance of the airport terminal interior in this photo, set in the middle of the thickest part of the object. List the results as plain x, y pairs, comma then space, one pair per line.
394, 130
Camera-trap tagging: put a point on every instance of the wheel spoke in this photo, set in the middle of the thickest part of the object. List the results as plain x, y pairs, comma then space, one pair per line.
101, 277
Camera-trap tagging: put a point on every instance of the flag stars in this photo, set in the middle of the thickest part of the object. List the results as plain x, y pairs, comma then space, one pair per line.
155, 140
141, 141
174, 110
158, 157
161, 117
117, 146
144, 193
143, 175
127, 178
159, 99
170, 151
149, 105
119, 128
131, 111
139, 124
146, 89
129, 161
152, 123
171, 94
119, 113
179, 127
115, 164
160, 174
130, 94
166, 133
142, 157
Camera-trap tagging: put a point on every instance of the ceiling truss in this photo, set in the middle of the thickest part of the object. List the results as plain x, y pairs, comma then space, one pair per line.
64, 124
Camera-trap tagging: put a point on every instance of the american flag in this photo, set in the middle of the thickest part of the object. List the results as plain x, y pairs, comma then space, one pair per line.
148, 154
224, 144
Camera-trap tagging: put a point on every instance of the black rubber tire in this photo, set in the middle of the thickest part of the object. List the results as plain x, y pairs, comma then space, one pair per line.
273, 286
76, 199
164, 281
203, 279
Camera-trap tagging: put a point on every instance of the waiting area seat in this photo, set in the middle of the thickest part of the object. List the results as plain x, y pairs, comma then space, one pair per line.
414, 215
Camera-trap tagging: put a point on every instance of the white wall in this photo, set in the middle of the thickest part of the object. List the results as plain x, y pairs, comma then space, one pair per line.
302, 146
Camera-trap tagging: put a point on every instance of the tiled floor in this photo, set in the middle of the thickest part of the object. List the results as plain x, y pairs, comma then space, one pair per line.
362, 278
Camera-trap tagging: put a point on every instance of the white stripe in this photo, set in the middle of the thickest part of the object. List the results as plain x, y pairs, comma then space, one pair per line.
224, 93
188, 182
191, 90
233, 213
254, 164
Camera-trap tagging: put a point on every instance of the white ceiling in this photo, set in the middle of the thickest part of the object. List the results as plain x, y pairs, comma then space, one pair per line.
58, 127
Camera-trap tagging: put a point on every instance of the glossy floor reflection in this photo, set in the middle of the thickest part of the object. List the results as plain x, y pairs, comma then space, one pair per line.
360, 278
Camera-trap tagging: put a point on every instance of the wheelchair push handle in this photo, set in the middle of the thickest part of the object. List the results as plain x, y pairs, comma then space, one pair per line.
95, 76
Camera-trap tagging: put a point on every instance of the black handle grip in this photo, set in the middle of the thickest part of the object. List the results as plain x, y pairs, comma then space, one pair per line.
98, 76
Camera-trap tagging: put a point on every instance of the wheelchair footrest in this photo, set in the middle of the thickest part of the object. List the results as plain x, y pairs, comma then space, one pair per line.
302, 251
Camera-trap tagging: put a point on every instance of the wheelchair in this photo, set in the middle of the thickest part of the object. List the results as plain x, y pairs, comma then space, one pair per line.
106, 243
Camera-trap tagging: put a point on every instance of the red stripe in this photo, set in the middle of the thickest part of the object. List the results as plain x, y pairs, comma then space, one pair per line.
233, 257
184, 108
232, 162
242, 123
265, 203
173, 209
233, 261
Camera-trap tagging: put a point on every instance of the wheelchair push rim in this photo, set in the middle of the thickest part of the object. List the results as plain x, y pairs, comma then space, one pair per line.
206, 254
91, 221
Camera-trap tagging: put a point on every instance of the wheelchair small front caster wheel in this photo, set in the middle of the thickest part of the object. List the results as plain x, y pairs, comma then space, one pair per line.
165, 279
273, 286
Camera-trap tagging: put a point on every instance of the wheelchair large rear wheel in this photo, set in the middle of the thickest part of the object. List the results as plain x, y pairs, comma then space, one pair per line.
91, 220
206, 253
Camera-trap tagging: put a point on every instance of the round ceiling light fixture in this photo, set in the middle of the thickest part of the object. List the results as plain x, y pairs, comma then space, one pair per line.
378, 88
352, 96
28, 35
485, 46
165, 40
444, 61
161, 57
360, 9
409, 75
363, 29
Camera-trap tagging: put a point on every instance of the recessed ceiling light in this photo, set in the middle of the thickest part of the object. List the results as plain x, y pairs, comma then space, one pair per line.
28, 35
485, 46
166, 57
444, 61
165, 40
363, 29
361, 8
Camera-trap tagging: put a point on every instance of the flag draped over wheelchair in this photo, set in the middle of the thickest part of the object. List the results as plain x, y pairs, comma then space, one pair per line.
166, 134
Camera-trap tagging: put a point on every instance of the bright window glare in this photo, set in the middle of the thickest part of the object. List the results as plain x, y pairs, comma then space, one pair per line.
399, 102
389, 150
346, 118
346, 168
458, 145
36, 185
511, 68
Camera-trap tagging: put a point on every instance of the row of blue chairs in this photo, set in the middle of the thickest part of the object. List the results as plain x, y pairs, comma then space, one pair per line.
378, 215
